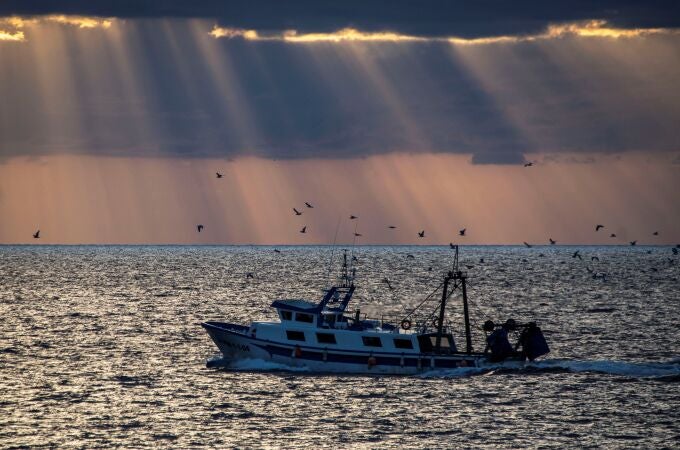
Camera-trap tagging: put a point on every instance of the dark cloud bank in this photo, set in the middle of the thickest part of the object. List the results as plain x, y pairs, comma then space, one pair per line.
298, 102
423, 18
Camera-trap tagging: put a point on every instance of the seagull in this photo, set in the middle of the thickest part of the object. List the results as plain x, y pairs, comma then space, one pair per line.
355, 259
297, 213
36, 235
410, 256
529, 164
387, 282
308, 205
357, 234
527, 244
552, 242
352, 217
462, 232
612, 235
304, 229
219, 175
276, 250
421, 233
199, 228
577, 255
594, 258
633, 242
597, 227
391, 227
249, 274
656, 233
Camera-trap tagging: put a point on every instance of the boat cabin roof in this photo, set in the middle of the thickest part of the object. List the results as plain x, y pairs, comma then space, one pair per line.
297, 305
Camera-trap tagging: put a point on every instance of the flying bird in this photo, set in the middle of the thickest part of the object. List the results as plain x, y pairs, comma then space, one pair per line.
218, 175
552, 242
577, 255
308, 205
387, 282
529, 164
594, 258
199, 228
391, 227
462, 232
452, 246
357, 234
612, 235
410, 256
353, 217
304, 229
656, 233
249, 274
633, 242
297, 213
597, 227
527, 245
276, 250
421, 233
36, 235
355, 259
675, 251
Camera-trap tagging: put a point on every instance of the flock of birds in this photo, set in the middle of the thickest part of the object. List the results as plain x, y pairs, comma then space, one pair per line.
421, 233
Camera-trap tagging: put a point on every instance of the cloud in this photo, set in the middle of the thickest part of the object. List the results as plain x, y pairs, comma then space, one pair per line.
12, 28
426, 18
168, 88
584, 29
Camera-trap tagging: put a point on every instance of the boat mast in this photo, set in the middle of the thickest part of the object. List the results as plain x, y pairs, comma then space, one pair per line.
442, 307
455, 275
468, 337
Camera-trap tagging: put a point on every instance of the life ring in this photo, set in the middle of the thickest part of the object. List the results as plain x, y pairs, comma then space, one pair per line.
372, 361
406, 324
298, 351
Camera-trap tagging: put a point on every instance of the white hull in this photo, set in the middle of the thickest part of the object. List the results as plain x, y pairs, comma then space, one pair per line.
236, 347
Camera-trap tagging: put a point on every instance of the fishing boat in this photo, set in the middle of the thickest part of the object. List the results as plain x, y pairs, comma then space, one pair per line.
325, 337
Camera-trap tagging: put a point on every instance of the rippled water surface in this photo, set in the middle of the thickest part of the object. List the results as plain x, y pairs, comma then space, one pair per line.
101, 346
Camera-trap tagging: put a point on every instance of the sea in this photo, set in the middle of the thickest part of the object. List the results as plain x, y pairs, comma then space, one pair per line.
101, 346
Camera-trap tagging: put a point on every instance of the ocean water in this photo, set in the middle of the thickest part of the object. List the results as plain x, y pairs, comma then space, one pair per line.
100, 346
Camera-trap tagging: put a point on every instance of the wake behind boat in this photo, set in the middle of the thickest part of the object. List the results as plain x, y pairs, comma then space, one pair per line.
324, 337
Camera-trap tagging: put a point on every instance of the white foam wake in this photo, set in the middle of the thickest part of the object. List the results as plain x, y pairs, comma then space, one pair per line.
630, 369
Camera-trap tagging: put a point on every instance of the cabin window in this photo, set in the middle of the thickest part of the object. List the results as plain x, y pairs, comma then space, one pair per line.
286, 315
295, 335
403, 343
302, 317
325, 338
370, 341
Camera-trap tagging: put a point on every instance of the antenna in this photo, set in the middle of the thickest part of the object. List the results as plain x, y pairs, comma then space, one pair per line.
335, 239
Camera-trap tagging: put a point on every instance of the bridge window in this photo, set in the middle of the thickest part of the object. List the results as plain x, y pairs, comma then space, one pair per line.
295, 335
302, 317
370, 341
325, 338
403, 343
286, 315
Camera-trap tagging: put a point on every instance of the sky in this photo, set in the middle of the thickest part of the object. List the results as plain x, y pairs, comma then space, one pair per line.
116, 116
